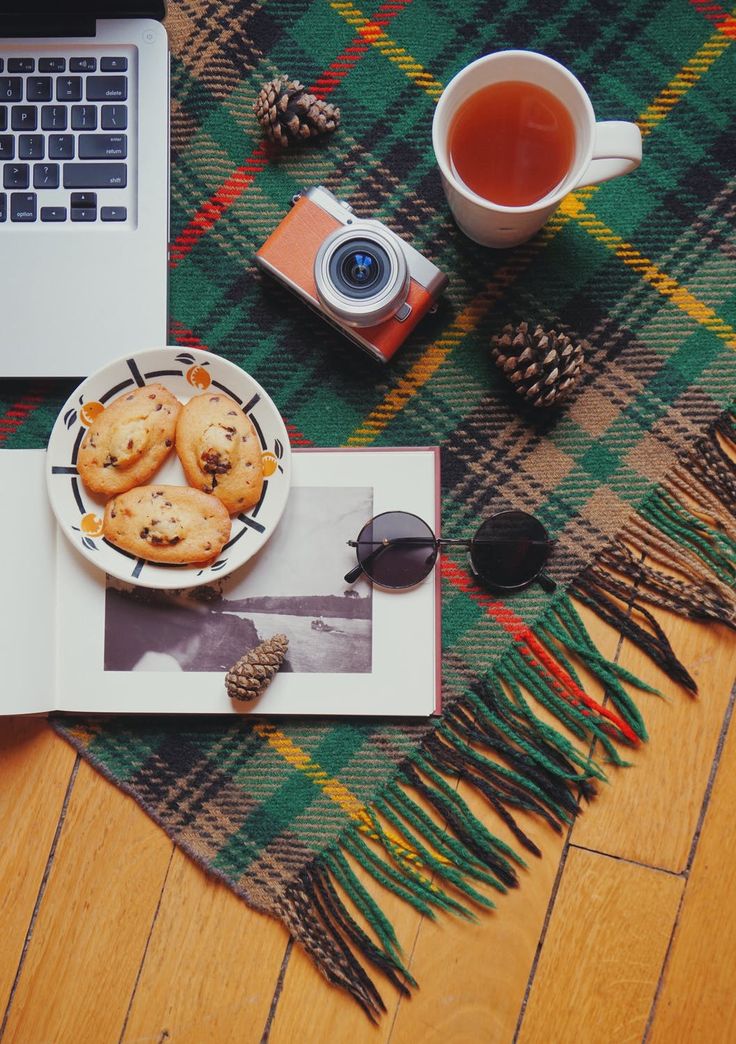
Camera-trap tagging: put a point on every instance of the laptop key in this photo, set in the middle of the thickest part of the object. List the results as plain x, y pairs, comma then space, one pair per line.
11, 88
22, 206
113, 64
69, 88
84, 117
45, 176
16, 175
107, 88
61, 146
114, 117
84, 206
55, 65
82, 65
21, 65
4, 200
53, 213
31, 146
95, 175
3, 117
7, 147
103, 146
53, 117
84, 199
24, 117
113, 213
38, 88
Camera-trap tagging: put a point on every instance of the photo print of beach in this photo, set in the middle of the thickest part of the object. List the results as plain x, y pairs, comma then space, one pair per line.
293, 586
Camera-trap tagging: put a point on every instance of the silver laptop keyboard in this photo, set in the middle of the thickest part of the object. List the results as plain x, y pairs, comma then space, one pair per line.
64, 127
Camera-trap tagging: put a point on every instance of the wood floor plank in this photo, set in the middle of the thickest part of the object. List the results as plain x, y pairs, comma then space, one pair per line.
35, 767
600, 964
698, 1000
650, 811
92, 925
211, 966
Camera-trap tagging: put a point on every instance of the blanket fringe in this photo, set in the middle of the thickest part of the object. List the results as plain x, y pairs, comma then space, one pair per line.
420, 839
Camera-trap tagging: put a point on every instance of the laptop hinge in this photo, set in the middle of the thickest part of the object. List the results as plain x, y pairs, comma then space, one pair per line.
47, 25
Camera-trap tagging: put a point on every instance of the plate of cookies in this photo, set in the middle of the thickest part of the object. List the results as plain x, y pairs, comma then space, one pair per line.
169, 468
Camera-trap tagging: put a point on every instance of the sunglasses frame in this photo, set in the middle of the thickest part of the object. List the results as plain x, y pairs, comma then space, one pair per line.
438, 543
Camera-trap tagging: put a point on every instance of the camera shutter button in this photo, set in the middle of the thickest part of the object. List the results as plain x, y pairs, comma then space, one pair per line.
404, 312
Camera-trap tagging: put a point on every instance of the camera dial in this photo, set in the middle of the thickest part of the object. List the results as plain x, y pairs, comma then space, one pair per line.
361, 274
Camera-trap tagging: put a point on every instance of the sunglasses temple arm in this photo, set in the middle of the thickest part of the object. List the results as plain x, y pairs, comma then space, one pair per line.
355, 572
353, 575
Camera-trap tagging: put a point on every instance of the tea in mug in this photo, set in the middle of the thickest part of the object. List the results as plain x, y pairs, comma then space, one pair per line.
512, 143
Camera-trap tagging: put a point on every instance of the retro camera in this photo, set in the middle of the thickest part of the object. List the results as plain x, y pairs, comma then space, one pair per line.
356, 273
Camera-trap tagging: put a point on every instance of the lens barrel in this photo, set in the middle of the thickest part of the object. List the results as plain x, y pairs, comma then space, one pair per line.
361, 274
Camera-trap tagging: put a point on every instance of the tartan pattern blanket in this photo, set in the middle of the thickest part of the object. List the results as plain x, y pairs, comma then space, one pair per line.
634, 478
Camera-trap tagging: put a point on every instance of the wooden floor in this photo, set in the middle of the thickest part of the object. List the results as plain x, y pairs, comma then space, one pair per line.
624, 931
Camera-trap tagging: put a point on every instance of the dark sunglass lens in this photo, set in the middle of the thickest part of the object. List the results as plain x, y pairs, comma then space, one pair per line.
509, 550
396, 549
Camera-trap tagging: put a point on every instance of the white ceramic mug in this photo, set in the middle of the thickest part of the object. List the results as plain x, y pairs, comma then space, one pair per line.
602, 150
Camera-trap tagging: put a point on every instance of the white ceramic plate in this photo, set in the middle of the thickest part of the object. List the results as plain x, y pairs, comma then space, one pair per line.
185, 372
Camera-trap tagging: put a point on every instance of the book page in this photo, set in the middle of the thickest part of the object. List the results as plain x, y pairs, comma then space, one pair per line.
353, 650
28, 537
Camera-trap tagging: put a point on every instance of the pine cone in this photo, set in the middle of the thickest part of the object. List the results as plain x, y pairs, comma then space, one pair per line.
252, 674
543, 366
288, 114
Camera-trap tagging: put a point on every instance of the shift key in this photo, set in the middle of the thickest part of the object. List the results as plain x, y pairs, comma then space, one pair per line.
95, 175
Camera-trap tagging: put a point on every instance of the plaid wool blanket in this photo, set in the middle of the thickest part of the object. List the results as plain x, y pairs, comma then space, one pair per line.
633, 476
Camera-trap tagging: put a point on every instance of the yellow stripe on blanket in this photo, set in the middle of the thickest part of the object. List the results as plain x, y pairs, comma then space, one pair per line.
340, 794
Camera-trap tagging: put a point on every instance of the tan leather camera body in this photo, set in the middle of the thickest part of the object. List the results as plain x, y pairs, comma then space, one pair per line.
356, 273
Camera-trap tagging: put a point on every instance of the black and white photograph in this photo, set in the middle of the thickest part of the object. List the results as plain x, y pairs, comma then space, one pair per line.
294, 586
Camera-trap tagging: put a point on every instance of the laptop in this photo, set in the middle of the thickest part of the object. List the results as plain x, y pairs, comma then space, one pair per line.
84, 183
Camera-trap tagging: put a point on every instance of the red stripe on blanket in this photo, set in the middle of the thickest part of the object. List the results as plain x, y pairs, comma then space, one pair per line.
184, 336
14, 416
717, 15
534, 652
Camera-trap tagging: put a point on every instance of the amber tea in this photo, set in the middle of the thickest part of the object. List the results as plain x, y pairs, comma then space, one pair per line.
512, 143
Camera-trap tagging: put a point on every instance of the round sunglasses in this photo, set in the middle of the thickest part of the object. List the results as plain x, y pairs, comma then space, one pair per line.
507, 553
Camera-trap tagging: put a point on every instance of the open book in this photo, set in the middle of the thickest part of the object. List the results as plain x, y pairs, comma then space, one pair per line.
76, 640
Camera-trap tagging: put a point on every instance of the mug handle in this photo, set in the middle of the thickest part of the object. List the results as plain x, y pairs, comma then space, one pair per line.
616, 150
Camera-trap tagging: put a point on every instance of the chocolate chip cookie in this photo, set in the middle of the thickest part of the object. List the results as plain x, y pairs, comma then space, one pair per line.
219, 450
129, 440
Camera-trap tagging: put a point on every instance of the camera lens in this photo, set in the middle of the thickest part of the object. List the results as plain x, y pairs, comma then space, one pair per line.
359, 268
